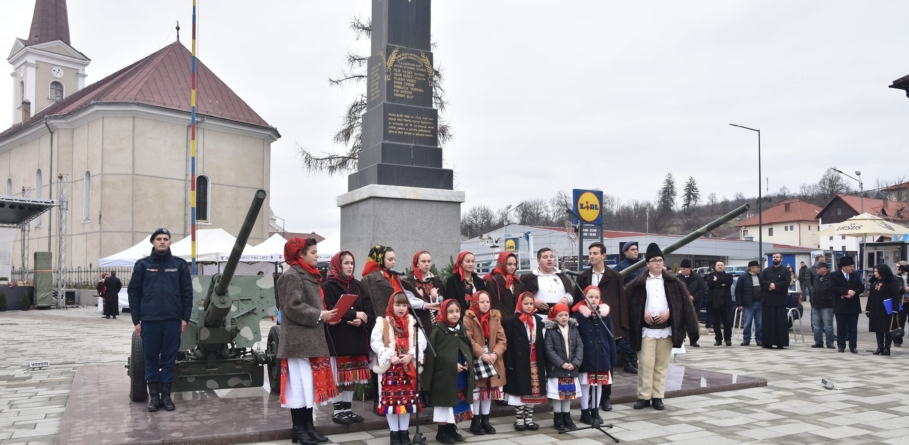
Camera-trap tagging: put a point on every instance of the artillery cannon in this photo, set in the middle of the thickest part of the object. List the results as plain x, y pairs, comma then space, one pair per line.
687, 239
216, 350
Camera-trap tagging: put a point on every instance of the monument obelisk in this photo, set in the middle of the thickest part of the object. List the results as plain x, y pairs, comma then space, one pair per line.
400, 196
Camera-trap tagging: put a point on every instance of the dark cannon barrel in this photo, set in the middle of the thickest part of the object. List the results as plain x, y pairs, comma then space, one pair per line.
690, 237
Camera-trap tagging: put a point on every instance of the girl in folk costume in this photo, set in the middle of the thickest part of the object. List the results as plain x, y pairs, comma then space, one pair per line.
380, 285
463, 281
304, 347
564, 355
487, 338
449, 377
427, 288
502, 284
599, 352
393, 340
525, 362
101, 292
351, 336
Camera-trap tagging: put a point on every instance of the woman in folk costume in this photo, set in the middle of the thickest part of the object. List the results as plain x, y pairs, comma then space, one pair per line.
380, 285
487, 338
351, 336
502, 284
426, 288
564, 355
449, 377
101, 292
525, 362
599, 353
393, 340
304, 347
463, 281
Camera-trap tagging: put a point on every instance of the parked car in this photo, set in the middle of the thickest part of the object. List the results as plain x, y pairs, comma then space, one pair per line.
737, 270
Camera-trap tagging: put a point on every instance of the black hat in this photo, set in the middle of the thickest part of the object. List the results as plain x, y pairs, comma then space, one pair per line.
653, 250
686, 263
821, 264
160, 231
846, 261
628, 245
753, 263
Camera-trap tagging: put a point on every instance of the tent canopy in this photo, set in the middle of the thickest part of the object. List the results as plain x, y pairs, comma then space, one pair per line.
270, 250
127, 257
211, 246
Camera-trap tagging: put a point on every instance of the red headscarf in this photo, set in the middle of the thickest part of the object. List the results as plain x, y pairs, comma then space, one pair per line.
584, 300
401, 329
334, 270
501, 268
457, 265
416, 269
443, 312
475, 308
525, 317
292, 249
553, 311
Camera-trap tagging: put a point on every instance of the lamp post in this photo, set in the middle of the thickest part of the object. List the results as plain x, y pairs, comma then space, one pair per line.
283, 230
760, 197
861, 185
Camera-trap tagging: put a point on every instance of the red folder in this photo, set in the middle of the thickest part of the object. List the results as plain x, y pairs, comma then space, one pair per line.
343, 305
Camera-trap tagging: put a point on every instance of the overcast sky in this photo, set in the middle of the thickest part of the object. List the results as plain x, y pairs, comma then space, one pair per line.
547, 96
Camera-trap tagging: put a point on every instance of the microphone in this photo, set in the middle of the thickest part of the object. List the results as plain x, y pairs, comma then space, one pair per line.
394, 272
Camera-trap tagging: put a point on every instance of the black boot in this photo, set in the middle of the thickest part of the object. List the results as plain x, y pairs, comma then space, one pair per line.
604, 404
310, 428
487, 427
453, 431
475, 426
340, 416
298, 435
595, 413
880, 344
154, 397
631, 365
395, 438
166, 402
354, 418
566, 420
586, 418
443, 436
405, 437
558, 422
887, 342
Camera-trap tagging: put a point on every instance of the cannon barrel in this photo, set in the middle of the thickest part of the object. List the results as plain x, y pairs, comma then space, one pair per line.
690, 237
218, 305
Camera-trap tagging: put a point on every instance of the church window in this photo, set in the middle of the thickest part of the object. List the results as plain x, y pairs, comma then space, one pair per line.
203, 194
38, 193
86, 196
56, 91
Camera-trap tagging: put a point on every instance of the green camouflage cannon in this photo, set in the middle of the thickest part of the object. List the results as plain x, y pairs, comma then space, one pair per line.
687, 239
216, 350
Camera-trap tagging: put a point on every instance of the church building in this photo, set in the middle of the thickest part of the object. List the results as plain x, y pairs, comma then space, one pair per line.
122, 145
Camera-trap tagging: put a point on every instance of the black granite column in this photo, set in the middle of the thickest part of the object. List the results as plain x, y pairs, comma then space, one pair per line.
400, 126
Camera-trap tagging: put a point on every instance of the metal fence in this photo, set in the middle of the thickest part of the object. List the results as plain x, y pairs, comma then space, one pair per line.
78, 277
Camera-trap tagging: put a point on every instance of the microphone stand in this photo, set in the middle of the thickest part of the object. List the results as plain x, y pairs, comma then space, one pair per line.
418, 438
595, 422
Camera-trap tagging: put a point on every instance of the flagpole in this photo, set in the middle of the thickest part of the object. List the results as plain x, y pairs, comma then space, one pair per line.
192, 193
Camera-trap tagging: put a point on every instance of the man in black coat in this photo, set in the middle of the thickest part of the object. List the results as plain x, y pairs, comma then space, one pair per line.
696, 286
775, 291
719, 300
748, 297
112, 286
822, 308
846, 286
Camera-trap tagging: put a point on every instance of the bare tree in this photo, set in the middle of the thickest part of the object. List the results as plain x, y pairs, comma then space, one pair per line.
533, 212
832, 183
559, 204
350, 134
477, 220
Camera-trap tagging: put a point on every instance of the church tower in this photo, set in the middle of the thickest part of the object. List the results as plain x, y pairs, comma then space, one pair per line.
46, 68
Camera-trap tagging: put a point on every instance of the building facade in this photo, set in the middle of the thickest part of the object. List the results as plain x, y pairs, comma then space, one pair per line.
791, 222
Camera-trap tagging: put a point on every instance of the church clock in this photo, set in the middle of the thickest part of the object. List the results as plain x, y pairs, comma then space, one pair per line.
57, 72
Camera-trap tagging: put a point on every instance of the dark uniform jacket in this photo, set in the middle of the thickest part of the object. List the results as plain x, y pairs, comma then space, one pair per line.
841, 286
719, 292
161, 288
625, 264
556, 355
682, 317
612, 293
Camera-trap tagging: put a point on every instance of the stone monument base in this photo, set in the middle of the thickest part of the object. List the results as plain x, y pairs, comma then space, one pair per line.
408, 219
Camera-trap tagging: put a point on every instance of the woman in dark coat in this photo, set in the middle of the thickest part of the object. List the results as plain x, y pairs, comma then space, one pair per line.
525, 362
463, 282
426, 288
884, 286
304, 347
350, 336
502, 284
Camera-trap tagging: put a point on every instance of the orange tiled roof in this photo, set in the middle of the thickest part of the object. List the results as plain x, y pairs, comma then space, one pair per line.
798, 211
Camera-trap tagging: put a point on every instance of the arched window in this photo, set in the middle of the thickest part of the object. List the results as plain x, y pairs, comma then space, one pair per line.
202, 198
86, 196
56, 91
38, 193
9, 187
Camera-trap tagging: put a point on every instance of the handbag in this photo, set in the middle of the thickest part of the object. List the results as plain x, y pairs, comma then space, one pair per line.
898, 332
484, 370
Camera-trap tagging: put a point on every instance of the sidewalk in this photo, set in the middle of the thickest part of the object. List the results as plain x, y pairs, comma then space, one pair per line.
793, 408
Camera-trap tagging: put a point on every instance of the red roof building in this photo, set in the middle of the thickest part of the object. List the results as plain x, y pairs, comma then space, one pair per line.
792, 222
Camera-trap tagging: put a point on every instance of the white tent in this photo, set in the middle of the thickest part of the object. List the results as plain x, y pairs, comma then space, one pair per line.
329, 247
127, 257
211, 244
270, 250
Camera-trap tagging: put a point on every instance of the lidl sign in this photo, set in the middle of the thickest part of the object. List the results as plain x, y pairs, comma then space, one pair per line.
587, 205
511, 244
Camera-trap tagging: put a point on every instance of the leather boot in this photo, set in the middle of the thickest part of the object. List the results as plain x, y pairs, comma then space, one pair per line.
880, 344
487, 427
298, 435
154, 397
475, 426
887, 342
443, 436
340, 416
165, 397
566, 420
631, 365
586, 418
310, 427
453, 431
394, 438
605, 406
405, 437
558, 422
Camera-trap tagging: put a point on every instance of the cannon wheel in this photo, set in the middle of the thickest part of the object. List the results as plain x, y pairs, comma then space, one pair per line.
138, 391
274, 366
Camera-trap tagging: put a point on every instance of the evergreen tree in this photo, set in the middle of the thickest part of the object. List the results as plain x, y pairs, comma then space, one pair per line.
690, 196
667, 194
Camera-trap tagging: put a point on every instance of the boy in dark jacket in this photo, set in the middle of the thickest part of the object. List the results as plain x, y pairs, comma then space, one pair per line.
564, 355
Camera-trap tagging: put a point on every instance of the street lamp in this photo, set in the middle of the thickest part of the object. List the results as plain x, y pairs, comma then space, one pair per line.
760, 197
861, 185
283, 231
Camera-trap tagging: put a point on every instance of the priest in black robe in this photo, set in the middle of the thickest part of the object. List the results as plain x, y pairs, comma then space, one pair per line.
112, 286
775, 291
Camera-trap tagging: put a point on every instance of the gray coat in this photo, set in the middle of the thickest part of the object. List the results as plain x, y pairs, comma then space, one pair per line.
556, 356
302, 328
